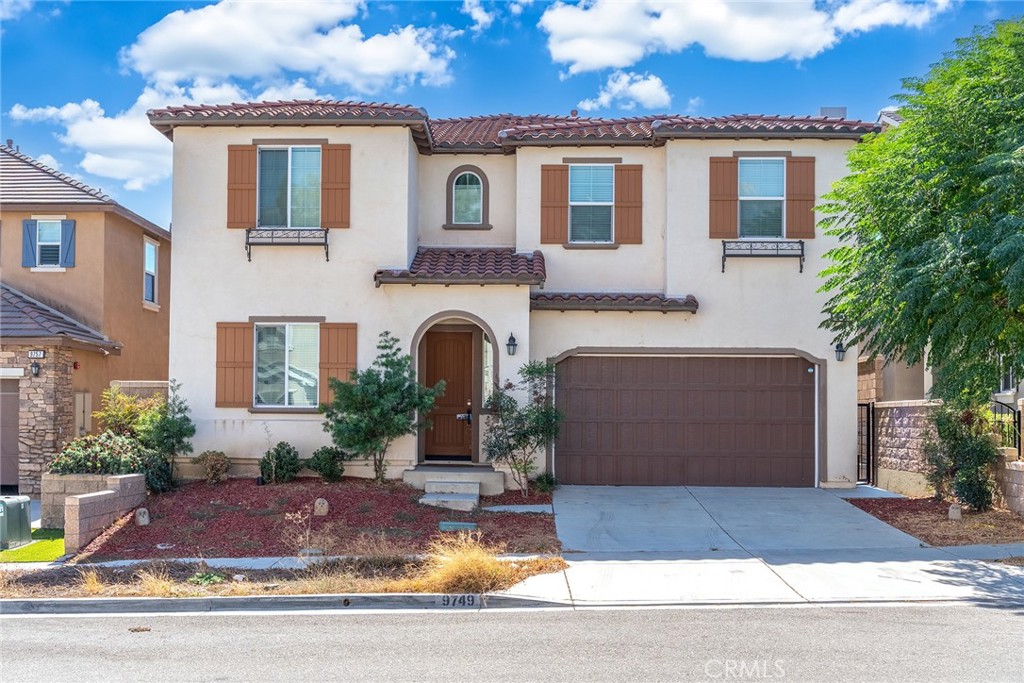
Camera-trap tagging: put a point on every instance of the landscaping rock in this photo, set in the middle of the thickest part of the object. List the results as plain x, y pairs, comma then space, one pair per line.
955, 512
320, 508
142, 517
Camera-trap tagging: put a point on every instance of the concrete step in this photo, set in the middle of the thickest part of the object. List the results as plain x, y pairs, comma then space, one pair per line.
452, 501
471, 487
491, 482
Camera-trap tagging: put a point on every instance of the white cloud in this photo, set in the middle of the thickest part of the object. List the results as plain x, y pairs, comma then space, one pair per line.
600, 34
12, 9
482, 19
516, 7
625, 90
286, 37
693, 105
49, 161
240, 51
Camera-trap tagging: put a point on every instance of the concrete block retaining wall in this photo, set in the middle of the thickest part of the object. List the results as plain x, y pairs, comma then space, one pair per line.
57, 487
88, 514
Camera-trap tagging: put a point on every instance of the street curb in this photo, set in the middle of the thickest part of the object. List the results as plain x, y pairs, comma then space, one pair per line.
470, 602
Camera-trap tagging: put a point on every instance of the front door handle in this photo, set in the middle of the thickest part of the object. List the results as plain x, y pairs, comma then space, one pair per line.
468, 415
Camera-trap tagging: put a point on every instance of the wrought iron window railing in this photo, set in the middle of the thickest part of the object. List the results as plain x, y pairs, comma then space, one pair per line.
315, 237
763, 249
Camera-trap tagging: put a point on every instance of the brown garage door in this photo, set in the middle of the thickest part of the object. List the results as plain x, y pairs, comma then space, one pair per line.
722, 421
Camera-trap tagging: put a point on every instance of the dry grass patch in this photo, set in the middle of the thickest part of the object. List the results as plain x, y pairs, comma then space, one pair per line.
464, 564
928, 520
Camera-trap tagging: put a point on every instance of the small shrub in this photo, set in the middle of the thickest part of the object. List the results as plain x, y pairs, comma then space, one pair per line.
280, 464
168, 429
157, 468
206, 578
938, 467
215, 465
123, 414
545, 482
328, 462
105, 453
960, 461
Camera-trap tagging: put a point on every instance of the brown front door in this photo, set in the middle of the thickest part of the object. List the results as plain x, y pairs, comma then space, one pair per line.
9, 446
692, 421
448, 356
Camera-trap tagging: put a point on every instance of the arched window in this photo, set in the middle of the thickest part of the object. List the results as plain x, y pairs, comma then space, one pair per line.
467, 199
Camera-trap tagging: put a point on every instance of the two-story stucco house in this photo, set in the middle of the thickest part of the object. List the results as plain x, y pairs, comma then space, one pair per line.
618, 249
85, 301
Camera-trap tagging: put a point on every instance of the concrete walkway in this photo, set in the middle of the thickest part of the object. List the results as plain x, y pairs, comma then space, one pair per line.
680, 545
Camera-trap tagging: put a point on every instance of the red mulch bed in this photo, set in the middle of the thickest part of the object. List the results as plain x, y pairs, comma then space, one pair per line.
237, 518
928, 520
516, 498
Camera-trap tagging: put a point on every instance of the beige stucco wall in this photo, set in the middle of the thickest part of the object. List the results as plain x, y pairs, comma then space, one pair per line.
297, 281
433, 181
631, 267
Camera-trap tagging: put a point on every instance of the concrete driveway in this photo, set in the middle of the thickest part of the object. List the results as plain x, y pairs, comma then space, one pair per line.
683, 545
672, 519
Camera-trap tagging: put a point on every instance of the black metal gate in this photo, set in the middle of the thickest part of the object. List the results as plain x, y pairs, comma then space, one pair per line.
1006, 425
865, 443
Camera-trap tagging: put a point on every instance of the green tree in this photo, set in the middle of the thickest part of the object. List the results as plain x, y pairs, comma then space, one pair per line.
932, 223
169, 429
379, 405
517, 431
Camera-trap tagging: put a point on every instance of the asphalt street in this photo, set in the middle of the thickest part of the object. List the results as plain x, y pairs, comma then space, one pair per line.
925, 642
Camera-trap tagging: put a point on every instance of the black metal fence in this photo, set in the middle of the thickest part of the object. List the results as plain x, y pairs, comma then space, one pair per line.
865, 443
1006, 424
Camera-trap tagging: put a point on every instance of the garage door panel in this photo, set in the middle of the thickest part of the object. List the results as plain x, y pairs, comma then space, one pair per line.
685, 420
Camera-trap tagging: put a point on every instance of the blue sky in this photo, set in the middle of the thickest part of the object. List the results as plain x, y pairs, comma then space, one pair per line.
77, 77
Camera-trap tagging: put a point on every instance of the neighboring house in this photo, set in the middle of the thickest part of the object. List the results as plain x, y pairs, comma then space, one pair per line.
618, 249
85, 301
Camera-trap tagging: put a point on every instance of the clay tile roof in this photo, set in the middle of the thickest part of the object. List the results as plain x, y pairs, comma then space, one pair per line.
291, 110
482, 132
612, 301
23, 180
754, 125
586, 129
22, 316
468, 266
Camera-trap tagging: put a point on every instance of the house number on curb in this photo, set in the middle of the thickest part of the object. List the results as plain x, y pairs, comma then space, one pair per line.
457, 601
37, 353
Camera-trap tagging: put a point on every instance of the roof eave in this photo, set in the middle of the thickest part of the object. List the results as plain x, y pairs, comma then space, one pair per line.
582, 142
596, 307
765, 135
389, 279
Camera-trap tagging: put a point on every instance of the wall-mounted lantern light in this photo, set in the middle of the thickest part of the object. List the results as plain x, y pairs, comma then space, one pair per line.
511, 345
34, 369
840, 351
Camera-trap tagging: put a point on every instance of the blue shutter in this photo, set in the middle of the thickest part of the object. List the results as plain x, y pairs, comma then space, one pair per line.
67, 244
28, 243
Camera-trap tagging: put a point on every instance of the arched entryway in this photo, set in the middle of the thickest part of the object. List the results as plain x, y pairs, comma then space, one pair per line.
458, 348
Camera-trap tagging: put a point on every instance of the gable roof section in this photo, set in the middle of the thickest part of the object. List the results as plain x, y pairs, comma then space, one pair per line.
760, 125
22, 317
482, 133
288, 112
468, 266
25, 181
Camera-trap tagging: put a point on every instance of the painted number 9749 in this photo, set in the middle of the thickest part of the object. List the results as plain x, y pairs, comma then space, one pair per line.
458, 601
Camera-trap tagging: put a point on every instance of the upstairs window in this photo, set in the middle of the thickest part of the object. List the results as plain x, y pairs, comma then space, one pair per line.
468, 199
289, 187
48, 243
762, 197
149, 260
591, 203
287, 365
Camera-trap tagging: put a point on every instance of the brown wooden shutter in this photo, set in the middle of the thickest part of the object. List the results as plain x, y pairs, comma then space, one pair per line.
800, 198
337, 355
241, 186
724, 195
335, 186
629, 195
554, 204
234, 365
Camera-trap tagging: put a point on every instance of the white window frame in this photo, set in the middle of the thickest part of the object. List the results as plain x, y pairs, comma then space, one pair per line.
288, 186
611, 232
741, 199
146, 242
455, 184
40, 244
287, 363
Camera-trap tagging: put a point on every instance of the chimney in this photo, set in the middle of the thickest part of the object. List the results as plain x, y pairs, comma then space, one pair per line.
834, 112
573, 114
10, 143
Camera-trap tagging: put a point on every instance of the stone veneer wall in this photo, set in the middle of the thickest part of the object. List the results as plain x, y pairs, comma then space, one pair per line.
88, 514
901, 429
47, 417
57, 487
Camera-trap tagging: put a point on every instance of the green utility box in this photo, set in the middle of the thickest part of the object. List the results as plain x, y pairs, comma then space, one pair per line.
15, 521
